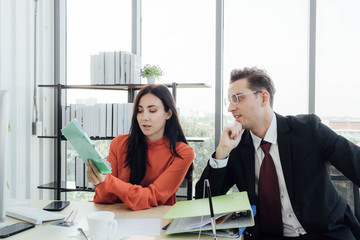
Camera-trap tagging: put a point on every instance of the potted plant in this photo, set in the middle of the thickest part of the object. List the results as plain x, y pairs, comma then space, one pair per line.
151, 72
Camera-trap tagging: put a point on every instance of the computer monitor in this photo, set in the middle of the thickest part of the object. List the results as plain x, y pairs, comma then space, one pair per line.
4, 121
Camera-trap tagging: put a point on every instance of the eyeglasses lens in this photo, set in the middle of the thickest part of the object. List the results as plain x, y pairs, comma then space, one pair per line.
234, 98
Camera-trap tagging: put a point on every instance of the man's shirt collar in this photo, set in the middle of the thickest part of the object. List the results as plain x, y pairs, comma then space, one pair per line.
270, 136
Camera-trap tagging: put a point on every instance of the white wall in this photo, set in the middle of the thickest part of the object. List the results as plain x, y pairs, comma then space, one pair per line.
30, 158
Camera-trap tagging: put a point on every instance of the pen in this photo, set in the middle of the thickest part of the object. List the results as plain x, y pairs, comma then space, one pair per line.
212, 219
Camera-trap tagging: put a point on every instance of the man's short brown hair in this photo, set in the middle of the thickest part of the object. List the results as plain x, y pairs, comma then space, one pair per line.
257, 79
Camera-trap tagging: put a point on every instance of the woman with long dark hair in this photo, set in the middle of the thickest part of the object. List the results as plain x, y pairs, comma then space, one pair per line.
149, 164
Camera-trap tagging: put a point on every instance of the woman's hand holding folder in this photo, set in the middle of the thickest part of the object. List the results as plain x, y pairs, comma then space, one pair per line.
93, 174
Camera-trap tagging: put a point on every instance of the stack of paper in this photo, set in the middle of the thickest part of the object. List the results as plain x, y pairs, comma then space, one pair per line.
231, 211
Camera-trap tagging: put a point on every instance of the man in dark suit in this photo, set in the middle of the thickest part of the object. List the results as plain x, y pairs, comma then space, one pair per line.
283, 164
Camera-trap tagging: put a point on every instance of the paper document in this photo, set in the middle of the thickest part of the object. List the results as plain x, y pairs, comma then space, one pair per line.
84, 147
139, 226
230, 232
231, 211
195, 223
126, 227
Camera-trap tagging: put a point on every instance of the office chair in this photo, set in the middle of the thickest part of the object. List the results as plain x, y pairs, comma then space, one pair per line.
186, 187
356, 201
338, 177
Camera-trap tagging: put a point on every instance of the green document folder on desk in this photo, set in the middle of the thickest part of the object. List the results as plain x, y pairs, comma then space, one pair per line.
83, 145
193, 215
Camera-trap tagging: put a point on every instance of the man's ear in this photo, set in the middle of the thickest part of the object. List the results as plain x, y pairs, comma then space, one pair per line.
265, 96
168, 114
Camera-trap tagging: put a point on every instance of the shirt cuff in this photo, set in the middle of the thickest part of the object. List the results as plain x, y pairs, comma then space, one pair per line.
218, 163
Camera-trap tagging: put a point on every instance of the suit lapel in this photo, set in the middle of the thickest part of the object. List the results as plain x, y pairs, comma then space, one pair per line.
284, 143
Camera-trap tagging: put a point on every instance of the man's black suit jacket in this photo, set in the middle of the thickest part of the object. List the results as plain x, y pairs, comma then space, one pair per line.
306, 148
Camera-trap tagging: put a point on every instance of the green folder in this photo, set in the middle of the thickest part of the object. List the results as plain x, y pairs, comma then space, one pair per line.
194, 215
83, 145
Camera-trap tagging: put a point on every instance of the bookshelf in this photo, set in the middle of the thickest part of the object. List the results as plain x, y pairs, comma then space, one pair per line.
59, 185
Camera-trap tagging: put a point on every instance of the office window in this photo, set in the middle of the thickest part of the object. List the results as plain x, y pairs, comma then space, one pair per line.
338, 53
270, 35
179, 36
93, 26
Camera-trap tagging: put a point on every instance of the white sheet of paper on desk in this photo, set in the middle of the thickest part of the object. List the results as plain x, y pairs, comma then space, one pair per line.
141, 238
126, 227
139, 226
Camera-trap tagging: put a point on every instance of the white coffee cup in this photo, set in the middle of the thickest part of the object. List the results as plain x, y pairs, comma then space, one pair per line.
102, 225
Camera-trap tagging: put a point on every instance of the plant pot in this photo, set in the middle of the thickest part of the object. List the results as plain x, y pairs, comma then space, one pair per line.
151, 80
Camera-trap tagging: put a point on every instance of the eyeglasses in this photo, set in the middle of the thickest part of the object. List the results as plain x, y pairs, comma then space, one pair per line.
236, 98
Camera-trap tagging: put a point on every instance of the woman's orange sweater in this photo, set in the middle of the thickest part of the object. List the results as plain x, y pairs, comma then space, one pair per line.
163, 176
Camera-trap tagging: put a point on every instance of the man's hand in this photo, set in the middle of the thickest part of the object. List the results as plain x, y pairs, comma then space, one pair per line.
93, 174
229, 139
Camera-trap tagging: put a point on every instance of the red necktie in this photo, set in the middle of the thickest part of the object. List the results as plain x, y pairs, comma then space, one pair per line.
269, 196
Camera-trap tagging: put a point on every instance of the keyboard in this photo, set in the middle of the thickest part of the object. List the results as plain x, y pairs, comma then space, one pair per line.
32, 215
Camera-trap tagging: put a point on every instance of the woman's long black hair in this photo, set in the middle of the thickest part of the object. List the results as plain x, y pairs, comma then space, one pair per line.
137, 148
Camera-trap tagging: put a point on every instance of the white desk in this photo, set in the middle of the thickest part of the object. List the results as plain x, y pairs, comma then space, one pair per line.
48, 231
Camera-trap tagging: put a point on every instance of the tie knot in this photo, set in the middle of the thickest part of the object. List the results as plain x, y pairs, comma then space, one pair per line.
265, 146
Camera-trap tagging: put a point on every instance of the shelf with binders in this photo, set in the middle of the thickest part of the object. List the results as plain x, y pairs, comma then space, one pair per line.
92, 138
189, 139
126, 86
131, 88
59, 185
